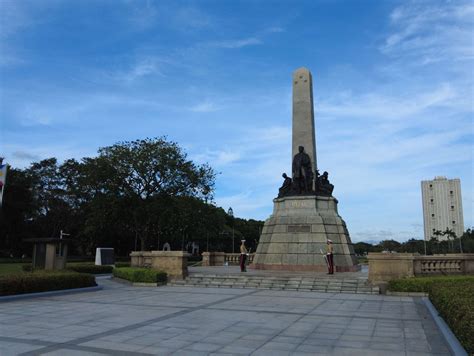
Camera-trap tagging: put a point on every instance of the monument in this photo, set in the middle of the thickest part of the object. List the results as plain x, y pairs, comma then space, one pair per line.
305, 213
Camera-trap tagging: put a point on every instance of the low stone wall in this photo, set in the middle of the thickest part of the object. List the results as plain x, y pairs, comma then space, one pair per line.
174, 263
384, 267
221, 258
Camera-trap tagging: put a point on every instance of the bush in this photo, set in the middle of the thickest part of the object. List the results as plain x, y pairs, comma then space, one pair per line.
140, 275
423, 284
122, 264
454, 302
42, 281
90, 268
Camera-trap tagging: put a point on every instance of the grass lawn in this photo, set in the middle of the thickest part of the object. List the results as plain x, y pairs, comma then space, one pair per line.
9, 268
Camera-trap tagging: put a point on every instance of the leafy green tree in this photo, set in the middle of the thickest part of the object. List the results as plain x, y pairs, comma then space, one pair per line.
17, 212
362, 248
390, 245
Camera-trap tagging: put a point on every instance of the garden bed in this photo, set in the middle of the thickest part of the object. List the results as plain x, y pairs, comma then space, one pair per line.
141, 275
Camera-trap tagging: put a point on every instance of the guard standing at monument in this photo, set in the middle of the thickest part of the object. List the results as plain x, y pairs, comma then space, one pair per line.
330, 257
243, 256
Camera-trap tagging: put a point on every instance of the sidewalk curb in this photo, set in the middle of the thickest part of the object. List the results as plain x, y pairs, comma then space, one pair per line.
452, 341
53, 293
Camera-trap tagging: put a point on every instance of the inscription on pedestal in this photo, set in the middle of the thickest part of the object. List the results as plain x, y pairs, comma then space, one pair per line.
300, 204
299, 228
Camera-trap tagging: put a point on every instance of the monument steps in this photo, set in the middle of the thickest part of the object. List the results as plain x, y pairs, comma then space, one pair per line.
316, 284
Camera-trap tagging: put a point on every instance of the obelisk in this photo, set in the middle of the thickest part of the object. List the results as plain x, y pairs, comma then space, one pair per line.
303, 115
294, 237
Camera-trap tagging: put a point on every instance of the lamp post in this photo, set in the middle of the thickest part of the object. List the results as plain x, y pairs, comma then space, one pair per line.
230, 212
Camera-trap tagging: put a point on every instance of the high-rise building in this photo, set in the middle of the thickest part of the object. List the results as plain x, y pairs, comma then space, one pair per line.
442, 206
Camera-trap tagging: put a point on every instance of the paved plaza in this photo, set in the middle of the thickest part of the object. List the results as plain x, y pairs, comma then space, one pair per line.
124, 320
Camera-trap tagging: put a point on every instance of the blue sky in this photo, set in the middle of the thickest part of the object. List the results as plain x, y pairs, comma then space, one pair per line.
393, 86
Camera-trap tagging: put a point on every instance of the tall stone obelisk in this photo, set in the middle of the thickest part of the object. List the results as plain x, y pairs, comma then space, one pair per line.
294, 236
303, 115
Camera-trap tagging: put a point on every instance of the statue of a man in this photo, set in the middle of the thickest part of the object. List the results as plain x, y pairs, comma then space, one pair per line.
302, 173
325, 188
285, 189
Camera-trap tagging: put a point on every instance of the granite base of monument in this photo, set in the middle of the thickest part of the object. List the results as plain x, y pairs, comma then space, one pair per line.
294, 236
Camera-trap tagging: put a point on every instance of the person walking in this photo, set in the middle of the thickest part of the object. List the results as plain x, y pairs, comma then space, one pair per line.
243, 256
330, 257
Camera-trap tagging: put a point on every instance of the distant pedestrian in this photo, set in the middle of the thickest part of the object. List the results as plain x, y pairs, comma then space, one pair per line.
330, 257
243, 256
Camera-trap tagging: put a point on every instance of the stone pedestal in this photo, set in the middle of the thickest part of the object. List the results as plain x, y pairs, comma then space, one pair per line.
174, 263
213, 259
296, 233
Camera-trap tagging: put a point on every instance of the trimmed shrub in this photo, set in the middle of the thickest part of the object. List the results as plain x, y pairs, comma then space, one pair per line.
454, 302
90, 268
423, 284
140, 275
122, 264
41, 281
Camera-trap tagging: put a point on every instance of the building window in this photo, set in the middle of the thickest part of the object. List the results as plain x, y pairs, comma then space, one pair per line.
434, 230
454, 222
432, 215
431, 200
431, 185
452, 206
450, 192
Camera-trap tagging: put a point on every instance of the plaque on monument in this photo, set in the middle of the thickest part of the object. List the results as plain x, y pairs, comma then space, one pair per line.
305, 213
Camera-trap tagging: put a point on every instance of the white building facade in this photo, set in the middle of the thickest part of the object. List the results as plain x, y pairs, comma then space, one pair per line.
442, 206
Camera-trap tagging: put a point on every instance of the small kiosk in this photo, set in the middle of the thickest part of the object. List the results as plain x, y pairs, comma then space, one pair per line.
49, 253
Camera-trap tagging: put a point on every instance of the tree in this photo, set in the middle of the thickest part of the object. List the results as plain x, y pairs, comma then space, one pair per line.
144, 175
362, 248
16, 212
151, 167
390, 245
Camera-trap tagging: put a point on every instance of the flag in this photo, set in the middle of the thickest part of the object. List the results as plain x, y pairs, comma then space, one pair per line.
3, 178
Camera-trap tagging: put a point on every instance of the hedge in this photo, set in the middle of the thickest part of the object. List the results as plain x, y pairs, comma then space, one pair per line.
90, 268
122, 264
454, 301
453, 298
140, 275
42, 281
423, 284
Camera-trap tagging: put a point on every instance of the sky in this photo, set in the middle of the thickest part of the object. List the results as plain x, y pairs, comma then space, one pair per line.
392, 80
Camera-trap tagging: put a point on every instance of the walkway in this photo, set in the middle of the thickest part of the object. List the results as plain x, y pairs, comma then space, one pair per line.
123, 320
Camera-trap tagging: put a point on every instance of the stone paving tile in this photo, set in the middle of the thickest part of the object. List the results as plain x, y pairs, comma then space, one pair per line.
68, 352
13, 348
183, 320
102, 344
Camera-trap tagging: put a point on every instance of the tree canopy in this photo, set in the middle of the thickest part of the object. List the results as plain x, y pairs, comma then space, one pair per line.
133, 195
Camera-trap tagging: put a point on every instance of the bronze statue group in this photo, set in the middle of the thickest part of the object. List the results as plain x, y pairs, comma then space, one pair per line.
302, 179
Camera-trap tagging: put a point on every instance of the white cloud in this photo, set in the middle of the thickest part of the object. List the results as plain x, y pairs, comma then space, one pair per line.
205, 106
430, 32
238, 43
374, 105
14, 17
143, 67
